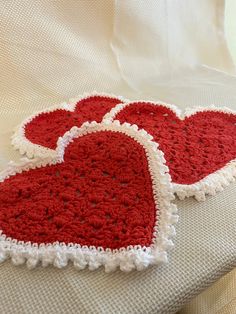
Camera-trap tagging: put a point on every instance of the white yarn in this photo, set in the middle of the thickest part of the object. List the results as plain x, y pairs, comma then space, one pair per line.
212, 183
133, 257
21, 143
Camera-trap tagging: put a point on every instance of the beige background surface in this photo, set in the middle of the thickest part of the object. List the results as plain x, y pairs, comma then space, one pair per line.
170, 50
220, 298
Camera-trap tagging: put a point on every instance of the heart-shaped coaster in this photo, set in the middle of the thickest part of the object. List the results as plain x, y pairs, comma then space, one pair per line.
37, 136
105, 199
199, 144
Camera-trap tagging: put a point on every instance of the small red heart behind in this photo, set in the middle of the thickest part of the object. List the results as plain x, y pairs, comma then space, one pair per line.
45, 128
101, 195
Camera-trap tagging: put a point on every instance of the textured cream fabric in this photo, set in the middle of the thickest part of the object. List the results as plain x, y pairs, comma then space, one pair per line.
172, 50
220, 298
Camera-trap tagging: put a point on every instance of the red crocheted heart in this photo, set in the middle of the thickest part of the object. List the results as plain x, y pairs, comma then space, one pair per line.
100, 195
194, 147
45, 128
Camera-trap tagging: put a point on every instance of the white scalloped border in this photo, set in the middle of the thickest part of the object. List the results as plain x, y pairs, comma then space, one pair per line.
132, 257
21, 143
211, 184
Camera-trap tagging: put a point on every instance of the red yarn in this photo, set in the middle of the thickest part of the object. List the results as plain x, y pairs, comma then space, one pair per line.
46, 128
194, 147
100, 195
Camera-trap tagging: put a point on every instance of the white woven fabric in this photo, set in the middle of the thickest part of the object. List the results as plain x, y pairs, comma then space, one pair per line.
159, 49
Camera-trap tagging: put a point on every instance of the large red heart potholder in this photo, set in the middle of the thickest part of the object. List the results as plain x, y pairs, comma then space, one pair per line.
37, 136
105, 199
199, 145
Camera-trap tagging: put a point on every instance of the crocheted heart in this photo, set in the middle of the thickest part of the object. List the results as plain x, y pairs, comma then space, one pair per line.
102, 194
196, 144
38, 135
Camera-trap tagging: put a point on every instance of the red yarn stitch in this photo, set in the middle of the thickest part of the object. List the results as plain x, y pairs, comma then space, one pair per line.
194, 147
46, 128
100, 195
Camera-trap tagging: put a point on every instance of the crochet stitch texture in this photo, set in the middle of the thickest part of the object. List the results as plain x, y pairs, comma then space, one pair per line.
195, 146
100, 195
46, 128
103, 199
198, 143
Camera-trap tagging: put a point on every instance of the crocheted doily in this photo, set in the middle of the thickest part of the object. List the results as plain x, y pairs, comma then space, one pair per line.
105, 199
199, 144
37, 136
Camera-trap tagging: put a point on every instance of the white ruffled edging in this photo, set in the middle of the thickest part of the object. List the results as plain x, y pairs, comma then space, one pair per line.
25, 146
211, 184
127, 258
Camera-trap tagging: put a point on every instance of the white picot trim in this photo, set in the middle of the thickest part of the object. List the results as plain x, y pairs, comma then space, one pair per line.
211, 184
126, 258
21, 143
